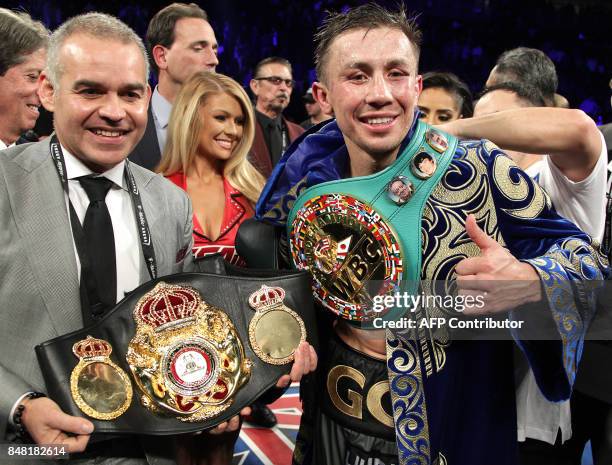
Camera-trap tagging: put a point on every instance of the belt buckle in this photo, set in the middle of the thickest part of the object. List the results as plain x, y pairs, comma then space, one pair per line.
186, 357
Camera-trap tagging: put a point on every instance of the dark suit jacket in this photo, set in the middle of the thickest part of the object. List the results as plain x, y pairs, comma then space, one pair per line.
260, 154
147, 153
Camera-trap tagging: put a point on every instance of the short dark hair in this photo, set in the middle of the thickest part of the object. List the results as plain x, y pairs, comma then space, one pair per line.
421, 157
529, 66
453, 85
20, 36
271, 60
530, 95
161, 27
368, 16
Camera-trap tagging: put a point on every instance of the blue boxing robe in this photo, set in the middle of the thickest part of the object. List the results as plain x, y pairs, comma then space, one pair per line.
453, 401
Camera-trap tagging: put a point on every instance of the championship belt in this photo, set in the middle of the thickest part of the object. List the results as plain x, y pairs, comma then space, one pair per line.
181, 353
361, 237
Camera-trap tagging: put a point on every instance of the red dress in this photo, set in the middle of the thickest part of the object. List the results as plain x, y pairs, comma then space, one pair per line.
237, 209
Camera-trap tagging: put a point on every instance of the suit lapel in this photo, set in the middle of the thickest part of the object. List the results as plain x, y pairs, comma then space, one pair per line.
42, 220
147, 153
260, 152
294, 130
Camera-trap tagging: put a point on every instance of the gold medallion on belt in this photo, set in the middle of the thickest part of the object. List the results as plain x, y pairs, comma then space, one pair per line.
186, 357
98, 386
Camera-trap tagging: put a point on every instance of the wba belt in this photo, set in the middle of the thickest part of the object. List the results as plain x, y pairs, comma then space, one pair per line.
361, 237
181, 353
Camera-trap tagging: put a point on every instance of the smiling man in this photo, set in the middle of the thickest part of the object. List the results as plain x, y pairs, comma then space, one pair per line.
24, 44
272, 85
474, 220
71, 246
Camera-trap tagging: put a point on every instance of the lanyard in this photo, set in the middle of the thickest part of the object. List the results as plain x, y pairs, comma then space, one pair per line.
77, 230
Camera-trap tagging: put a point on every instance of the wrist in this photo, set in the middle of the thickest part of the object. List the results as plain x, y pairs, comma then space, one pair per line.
21, 432
529, 273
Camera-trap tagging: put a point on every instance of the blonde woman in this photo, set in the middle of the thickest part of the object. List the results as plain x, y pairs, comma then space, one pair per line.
210, 133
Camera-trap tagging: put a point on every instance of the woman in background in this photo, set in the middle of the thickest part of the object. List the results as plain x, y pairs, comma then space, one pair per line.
444, 98
210, 133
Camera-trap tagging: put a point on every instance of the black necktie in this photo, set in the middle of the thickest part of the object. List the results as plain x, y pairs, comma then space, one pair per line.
276, 141
101, 279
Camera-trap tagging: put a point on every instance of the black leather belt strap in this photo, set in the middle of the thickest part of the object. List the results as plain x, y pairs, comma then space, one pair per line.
229, 292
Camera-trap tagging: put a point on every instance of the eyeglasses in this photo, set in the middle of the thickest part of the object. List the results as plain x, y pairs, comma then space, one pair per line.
276, 80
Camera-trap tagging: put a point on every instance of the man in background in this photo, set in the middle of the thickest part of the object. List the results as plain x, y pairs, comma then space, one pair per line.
272, 86
22, 58
565, 153
180, 41
314, 111
532, 67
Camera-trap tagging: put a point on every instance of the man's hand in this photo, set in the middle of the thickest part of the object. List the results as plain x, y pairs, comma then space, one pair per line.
502, 281
47, 424
304, 362
232, 424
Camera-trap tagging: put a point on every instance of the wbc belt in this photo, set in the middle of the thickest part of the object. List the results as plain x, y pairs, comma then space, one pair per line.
182, 353
361, 237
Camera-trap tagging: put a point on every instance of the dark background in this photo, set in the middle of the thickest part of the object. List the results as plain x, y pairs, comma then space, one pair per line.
463, 36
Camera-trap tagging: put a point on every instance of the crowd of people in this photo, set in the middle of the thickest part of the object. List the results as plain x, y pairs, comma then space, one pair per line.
508, 186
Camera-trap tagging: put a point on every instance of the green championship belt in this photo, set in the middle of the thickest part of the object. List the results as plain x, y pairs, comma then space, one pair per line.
361, 237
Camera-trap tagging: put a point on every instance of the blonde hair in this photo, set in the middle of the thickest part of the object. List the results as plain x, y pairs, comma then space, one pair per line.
185, 125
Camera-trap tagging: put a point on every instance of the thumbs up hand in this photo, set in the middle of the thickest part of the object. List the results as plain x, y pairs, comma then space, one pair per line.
502, 281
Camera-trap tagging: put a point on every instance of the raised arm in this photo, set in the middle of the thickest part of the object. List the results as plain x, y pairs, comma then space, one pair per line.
570, 137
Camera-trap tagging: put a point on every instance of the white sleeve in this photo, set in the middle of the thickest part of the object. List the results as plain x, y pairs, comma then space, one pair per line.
581, 202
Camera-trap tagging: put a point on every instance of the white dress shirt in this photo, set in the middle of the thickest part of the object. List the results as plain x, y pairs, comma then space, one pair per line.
161, 109
128, 254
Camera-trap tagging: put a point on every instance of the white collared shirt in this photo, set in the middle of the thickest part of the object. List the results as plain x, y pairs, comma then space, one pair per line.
127, 243
4, 146
161, 109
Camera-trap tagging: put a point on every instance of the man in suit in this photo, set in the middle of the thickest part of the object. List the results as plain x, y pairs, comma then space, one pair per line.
180, 42
272, 85
100, 112
24, 43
